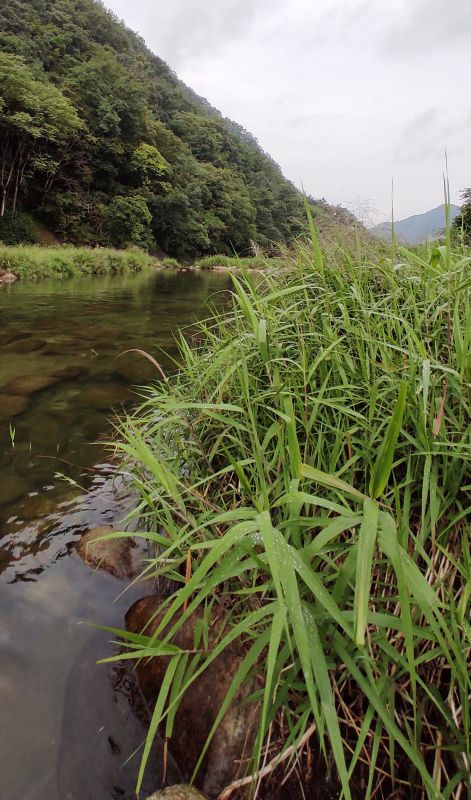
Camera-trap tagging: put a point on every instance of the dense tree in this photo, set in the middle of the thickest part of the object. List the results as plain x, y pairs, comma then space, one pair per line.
127, 221
36, 124
462, 222
147, 144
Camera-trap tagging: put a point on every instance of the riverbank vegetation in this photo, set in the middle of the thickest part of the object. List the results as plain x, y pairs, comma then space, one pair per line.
30, 261
103, 144
309, 468
259, 262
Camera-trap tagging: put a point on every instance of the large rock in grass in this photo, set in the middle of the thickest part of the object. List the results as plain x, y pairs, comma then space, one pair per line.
233, 740
120, 557
180, 792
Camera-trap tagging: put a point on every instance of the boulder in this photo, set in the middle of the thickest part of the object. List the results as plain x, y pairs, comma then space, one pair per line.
120, 557
8, 277
233, 740
180, 792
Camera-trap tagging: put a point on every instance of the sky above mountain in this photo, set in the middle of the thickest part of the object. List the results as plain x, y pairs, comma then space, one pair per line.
346, 95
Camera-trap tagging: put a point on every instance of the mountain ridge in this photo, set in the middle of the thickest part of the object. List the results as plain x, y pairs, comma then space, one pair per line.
417, 228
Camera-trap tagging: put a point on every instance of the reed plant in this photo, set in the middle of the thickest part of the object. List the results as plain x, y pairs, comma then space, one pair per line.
310, 463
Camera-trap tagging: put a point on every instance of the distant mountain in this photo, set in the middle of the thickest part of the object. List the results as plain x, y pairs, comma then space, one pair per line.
418, 228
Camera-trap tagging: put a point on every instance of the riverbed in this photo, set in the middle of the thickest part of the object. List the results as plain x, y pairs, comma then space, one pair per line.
68, 726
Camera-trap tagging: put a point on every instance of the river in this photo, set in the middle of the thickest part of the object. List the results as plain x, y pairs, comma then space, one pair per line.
67, 725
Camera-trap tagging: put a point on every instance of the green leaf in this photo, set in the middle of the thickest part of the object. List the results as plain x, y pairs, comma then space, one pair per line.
385, 457
330, 481
366, 546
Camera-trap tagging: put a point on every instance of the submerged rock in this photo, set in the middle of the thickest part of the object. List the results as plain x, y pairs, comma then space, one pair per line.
70, 373
29, 384
9, 336
11, 405
180, 792
96, 333
233, 740
120, 557
105, 396
36, 507
29, 345
136, 371
11, 487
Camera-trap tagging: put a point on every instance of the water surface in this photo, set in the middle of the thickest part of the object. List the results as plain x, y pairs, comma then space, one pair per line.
62, 377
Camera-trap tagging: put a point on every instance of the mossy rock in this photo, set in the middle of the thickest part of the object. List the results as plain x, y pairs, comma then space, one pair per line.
178, 793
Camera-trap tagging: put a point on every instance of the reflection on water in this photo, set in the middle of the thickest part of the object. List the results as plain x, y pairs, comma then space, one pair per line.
60, 379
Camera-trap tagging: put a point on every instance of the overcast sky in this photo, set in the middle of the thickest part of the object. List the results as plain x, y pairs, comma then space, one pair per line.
345, 95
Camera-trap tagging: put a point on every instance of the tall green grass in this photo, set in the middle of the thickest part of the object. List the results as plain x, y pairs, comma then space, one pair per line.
312, 460
240, 263
65, 261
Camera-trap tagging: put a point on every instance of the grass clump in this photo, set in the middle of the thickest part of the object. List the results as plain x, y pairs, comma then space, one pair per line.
66, 261
311, 461
170, 263
239, 263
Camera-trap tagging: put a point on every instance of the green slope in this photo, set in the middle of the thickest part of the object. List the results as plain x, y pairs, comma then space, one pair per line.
106, 146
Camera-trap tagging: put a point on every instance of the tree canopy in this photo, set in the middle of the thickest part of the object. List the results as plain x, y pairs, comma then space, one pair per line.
462, 222
102, 143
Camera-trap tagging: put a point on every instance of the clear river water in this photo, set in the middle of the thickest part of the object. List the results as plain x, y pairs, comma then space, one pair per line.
69, 727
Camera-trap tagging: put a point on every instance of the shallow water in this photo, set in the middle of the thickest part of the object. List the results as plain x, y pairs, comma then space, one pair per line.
62, 377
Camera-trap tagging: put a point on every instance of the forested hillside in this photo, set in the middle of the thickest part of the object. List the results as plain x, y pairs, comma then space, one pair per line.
103, 144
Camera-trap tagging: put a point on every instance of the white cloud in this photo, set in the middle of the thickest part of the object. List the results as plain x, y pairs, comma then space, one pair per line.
344, 94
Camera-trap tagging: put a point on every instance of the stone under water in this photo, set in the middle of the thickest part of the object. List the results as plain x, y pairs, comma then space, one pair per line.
105, 396
119, 557
29, 384
11, 405
11, 487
